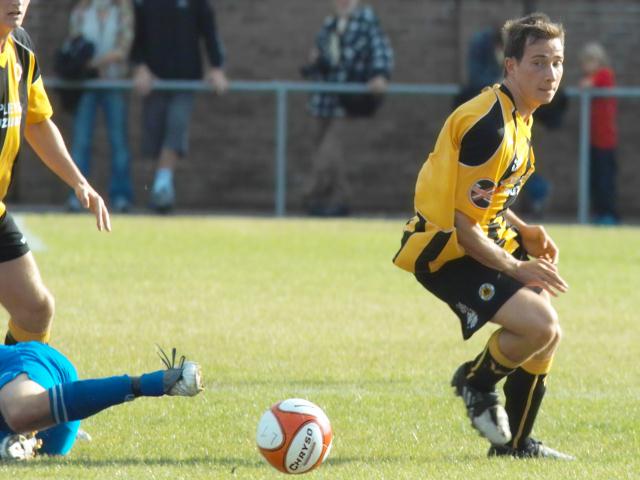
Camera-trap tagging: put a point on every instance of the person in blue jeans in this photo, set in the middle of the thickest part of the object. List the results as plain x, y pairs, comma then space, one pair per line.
108, 25
42, 400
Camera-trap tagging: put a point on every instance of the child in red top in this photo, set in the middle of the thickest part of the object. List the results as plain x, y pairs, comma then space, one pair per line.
604, 135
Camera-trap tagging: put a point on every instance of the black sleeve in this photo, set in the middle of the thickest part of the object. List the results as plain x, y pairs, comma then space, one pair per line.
21, 37
207, 29
138, 51
482, 140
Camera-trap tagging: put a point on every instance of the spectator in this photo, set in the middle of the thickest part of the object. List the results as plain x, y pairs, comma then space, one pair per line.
350, 47
604, 134
108, 25
485, 59
167, 47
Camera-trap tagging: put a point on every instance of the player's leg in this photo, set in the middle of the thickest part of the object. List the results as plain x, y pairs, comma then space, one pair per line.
22, 292
475, 293
524, 390
26, 406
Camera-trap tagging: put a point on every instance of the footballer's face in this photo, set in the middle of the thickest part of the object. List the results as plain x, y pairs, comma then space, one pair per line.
12, 14
536, 77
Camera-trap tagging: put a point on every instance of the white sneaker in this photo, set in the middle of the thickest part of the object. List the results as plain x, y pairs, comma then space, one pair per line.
19, 447
163, 198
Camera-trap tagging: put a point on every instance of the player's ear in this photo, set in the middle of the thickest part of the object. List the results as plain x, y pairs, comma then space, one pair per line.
509, 65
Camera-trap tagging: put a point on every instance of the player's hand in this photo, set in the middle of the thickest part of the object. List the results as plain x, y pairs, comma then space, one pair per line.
314, 54
218, 80
539, 272
143, 80
539, 244
91, 200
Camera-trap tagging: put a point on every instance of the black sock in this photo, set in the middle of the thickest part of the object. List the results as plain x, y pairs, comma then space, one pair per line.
490, 366
524, 392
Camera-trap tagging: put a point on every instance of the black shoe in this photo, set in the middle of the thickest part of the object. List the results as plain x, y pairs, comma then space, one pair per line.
487, 416
531, 449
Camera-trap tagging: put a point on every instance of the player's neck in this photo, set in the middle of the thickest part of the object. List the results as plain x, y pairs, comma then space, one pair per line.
4, 35
522, 106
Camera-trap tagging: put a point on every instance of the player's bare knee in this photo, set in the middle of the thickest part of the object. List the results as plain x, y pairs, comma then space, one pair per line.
41, 312
546, 328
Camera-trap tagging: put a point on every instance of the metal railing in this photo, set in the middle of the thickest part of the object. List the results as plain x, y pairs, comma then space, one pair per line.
281, 89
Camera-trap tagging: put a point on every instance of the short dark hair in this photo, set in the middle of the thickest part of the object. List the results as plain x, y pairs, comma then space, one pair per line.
520, 32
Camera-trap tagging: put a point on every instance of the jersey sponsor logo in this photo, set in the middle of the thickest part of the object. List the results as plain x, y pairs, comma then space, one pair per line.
481, 193
10, 114
469, 313
486, 291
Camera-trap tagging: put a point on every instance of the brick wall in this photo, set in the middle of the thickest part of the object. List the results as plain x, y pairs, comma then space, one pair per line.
231, 163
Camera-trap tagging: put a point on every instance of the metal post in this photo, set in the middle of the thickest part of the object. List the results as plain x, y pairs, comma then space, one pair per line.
583, 167
281, 150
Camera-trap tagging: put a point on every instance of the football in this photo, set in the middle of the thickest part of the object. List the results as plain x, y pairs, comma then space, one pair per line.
294, 435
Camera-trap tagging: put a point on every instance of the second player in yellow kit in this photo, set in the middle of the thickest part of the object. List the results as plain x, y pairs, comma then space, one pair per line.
25, 113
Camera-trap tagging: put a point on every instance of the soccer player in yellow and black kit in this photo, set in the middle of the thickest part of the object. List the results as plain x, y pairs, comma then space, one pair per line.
469, 249
25, 112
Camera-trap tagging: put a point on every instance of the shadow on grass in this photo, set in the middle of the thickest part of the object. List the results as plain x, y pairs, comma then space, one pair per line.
412, 459
231, 463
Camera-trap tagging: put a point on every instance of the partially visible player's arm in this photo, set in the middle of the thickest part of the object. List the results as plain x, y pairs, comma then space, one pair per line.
536, 240
537, 272
46, 140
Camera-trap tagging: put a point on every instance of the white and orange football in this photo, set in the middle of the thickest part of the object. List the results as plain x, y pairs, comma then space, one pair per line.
294, 435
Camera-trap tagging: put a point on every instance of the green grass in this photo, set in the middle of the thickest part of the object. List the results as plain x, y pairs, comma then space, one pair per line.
295, 308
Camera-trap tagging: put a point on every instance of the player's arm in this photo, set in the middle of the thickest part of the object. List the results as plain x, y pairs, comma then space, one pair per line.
537, 272
536, 240
46, 140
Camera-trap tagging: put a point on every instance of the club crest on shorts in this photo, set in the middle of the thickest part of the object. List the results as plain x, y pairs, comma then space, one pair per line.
481, 192
486, 291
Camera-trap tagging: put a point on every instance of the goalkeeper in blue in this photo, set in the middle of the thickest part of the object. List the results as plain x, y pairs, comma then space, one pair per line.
42, 401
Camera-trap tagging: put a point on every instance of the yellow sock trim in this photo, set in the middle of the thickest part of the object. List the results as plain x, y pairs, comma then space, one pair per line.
21, 335
494, 349
537, 367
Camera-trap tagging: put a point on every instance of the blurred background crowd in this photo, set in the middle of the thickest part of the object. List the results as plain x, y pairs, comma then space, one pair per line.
348, 154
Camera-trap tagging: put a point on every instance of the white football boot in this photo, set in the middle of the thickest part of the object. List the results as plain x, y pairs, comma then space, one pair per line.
183, 379
19, 447
487, 416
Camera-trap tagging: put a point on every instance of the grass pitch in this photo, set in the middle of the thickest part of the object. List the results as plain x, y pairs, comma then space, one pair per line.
298, 308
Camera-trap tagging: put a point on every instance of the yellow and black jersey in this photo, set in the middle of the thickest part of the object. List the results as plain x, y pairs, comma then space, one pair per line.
23, 101
481, 160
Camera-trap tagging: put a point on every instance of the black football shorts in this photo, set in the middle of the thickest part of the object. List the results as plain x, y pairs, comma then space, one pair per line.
12, 241
472, 290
